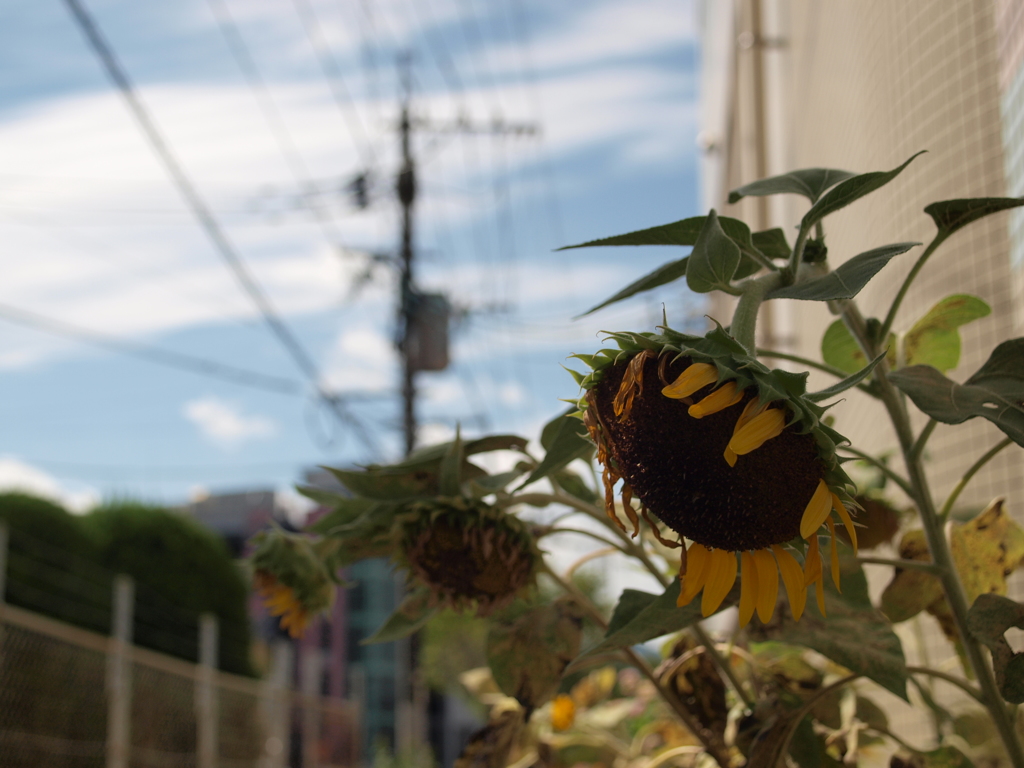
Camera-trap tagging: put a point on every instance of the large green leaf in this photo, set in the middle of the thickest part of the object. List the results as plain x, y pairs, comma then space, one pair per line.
840, 350
809, 182
951, 215
663, 275
848, 191
414, 611
684, 232
995, 392
430, 456
846, 281
934, 340
988, 620
566, 440
714, 258
528, 655
449, 476
855, 635
641, 616
772, 243
343, 510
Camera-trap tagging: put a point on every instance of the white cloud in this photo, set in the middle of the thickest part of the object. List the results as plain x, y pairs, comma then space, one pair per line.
224, 423
16, 475
362, 359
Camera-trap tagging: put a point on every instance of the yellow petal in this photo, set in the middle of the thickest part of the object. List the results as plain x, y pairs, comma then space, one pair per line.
767, 584
812, 563
816, 511
730, 456
697, 376
844, 515
748, 587
793, 578
698, 565
758, 431
753, 408
724, 397
834, 555
563, 712
721, 577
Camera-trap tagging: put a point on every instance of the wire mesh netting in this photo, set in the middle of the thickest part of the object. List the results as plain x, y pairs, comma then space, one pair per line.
60, 689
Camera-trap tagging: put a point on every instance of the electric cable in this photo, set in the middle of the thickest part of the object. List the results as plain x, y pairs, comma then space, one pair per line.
223, 246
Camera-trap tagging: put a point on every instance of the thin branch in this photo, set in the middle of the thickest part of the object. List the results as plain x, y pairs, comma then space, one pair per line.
985, 459
890, 317
910, 565
922, 439
823, 367
882, 467
963, 685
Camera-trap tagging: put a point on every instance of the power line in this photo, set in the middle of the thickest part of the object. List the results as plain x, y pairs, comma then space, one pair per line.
181, 361
298, 354
289, 150
332, 72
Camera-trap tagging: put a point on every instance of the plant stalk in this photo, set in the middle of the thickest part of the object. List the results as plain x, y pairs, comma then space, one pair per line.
707, 738
744, 319
985, 459
933, 528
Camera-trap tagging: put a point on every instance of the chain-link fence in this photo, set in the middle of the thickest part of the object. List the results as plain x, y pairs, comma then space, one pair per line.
71, 698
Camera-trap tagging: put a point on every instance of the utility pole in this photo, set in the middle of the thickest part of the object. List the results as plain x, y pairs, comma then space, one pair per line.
423, 317
406, 188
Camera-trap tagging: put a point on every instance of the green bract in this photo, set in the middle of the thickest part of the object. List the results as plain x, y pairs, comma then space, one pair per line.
720, 349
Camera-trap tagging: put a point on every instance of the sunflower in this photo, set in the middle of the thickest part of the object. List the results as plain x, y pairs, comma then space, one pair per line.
290, 575
282, 601
471, 555
725, 453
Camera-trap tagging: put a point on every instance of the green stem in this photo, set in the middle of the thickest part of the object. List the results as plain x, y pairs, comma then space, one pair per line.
585, 532
798, 252
922, 439
744, 319
881, 467
985, 459
933, 529
963, 685
911, 565
707, 737
883, 332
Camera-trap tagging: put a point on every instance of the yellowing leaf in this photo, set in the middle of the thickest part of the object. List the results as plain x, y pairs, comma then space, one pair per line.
911, 591
934, 340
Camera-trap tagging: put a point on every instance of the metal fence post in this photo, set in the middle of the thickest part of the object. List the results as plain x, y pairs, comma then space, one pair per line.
277, 701
312, 674
207, 720
119, 679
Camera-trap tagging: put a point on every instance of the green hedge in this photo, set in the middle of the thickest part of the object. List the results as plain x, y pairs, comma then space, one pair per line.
62, 565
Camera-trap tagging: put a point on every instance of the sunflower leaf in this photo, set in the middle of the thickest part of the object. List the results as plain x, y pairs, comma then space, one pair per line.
343, 510
566, 439
848, 383
528, 656
951, 215
848, 191
664, 274
413, 612
684, 232
714, 259
809, 182
449, 476
995, 392
840, 350
847, 280
772, 243
934, 340
988, 619
641, 616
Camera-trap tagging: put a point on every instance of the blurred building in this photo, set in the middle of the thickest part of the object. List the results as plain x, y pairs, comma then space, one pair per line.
862, 86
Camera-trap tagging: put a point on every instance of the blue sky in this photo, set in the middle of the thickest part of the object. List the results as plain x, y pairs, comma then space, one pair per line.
96, 236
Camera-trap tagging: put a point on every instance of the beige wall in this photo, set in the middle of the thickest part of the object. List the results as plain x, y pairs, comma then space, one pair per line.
862, 86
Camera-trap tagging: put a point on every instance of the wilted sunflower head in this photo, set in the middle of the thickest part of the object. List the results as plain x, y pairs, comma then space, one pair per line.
726, 453
291, 578
471, 555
